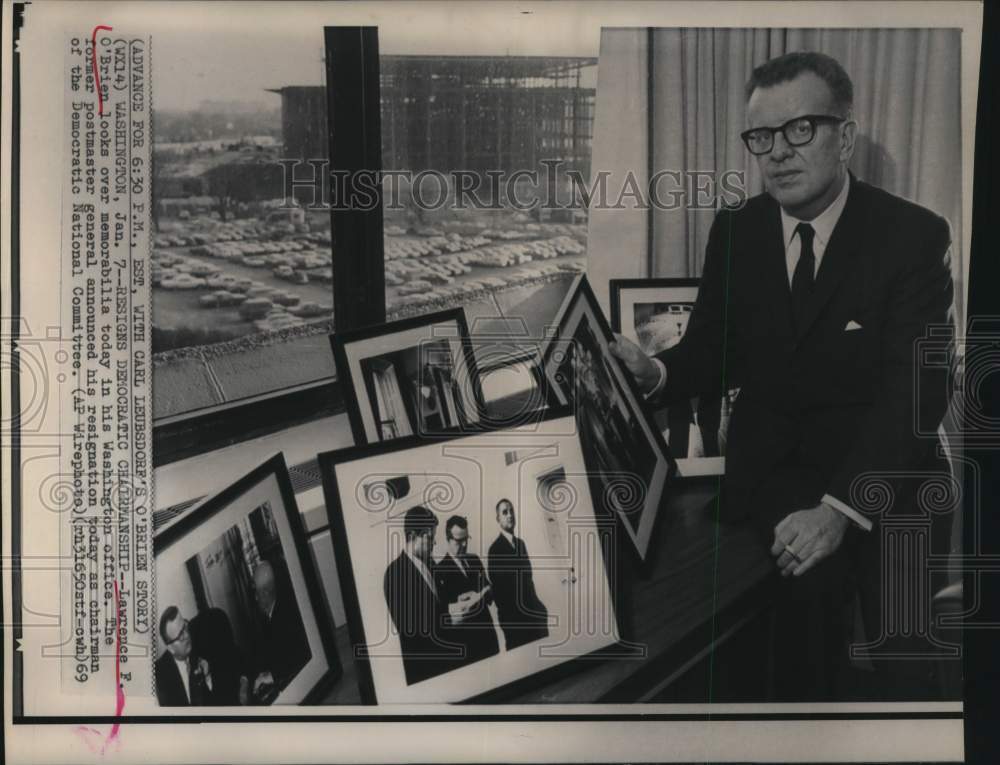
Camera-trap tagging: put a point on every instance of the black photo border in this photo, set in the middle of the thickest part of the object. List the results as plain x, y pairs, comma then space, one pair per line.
617, 286
582, 291
276, 468
328, 462
339, 342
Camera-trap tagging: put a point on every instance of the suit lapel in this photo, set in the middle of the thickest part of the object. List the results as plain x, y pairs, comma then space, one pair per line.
774, 272
844, 244
512, 548
456, 566
418, 576
182, 693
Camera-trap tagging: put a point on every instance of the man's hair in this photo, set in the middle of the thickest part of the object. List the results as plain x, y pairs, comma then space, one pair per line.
791, 65
418, 520
504, 501
168, 615
455, 520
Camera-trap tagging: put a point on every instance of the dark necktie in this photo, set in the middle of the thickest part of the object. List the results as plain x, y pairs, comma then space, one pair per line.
803, 277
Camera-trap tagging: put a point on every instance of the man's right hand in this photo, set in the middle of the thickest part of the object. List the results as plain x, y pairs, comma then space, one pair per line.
645, 372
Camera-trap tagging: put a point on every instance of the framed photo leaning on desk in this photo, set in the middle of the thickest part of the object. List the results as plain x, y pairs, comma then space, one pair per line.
653, 314
470, 563
238, 601
626, 455
415, 376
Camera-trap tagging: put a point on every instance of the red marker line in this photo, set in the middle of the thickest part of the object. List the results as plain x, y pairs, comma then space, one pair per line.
93, 63
119, 690
92, 736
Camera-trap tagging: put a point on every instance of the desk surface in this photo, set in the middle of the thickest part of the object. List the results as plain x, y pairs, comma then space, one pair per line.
701, 577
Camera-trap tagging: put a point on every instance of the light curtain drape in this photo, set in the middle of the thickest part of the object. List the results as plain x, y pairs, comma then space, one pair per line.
673, 99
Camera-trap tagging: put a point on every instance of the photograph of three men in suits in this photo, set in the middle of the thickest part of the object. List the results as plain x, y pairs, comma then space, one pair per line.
441, 610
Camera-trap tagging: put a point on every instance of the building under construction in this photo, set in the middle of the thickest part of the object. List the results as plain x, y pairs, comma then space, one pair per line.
484, 113
475, 113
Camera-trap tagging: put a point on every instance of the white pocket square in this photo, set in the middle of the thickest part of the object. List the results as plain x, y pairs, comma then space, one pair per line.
851, 326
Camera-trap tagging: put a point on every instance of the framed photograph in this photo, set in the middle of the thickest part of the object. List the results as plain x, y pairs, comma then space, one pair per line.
416, 376
240, 619
625, 453
653, 314
472, 563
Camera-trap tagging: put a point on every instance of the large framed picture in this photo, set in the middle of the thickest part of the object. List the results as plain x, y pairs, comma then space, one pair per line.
625, 453
416, 376
653, 313
471, 563
240, 617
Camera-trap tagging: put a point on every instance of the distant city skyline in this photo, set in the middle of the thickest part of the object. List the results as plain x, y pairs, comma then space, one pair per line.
239, 61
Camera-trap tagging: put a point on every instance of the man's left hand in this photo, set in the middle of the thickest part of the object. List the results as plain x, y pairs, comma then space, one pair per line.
262, 680
806, 537
203, 668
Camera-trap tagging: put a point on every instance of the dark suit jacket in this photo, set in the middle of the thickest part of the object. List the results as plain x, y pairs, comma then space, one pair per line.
476, 632
523, 617
421, 619
820, 406
170, 687
282, 647
212, 637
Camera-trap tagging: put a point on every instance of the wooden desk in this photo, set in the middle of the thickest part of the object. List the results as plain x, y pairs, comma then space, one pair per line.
702, 582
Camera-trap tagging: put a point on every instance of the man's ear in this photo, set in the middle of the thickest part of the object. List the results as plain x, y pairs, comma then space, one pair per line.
849, 134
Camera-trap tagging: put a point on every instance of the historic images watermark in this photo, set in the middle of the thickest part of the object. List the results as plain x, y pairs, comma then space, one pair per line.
313, 184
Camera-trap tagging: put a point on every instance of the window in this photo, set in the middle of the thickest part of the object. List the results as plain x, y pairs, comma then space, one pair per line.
241, 275
479, 207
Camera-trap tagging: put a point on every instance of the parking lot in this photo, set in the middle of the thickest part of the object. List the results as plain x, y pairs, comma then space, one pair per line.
214, 281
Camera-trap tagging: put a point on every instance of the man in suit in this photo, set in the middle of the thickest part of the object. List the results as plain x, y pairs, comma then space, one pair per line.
418, 611
523, 617
282, 648
182, 679
813, 299
461, 581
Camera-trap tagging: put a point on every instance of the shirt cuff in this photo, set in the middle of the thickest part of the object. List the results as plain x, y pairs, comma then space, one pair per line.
663, 378
849, 511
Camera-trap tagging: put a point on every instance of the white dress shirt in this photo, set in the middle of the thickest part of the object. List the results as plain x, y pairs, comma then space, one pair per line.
823, 225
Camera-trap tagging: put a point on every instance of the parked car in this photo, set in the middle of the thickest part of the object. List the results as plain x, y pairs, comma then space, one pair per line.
415, 287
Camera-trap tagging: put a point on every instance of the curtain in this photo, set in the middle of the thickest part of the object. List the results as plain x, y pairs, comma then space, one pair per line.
673, 100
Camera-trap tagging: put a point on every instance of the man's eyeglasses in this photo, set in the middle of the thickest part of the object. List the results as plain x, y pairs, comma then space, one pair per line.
180, 635
798, 132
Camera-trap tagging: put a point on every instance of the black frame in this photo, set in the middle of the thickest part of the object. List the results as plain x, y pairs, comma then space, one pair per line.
689, 468
339, 342
582, 291
328, 462
274, 467
617, 286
